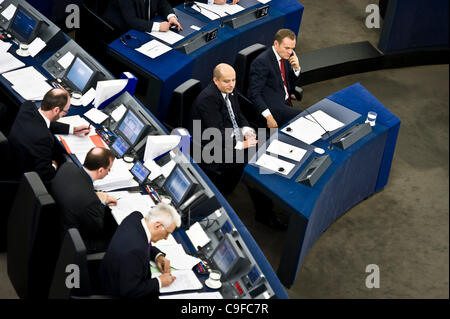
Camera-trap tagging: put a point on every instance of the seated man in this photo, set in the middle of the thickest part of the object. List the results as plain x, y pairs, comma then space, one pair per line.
31, 137
125, 270
80, 205
217, 107
272, 78
138, 15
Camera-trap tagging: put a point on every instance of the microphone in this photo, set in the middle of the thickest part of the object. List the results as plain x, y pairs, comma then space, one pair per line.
330, 145
191, 4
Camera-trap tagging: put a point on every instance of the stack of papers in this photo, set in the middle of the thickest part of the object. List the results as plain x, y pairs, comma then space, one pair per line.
153, 49
119, 177
28, 82
9, 62
185, 280
129, 202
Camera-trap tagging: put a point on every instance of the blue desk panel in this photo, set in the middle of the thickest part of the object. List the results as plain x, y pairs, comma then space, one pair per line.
355, 173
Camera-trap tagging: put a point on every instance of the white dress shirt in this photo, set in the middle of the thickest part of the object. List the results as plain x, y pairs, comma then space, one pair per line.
155, 26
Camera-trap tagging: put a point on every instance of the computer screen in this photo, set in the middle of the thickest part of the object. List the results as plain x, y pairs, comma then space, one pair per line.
130, 127
120, 147
178, 185
24, 25
79, 74
140, 172
225, 257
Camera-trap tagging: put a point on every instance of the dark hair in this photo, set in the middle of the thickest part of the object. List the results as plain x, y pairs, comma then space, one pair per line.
54, 98
98, 157
284, 33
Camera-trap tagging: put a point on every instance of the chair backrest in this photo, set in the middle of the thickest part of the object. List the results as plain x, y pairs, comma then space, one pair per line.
242, 64
4, 157
32, 238
183, 96
71, 276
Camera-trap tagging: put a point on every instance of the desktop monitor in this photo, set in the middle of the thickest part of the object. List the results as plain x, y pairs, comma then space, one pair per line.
24, 25
80, 75
120, 147
179, 185
131, 127
140, 172
227, 257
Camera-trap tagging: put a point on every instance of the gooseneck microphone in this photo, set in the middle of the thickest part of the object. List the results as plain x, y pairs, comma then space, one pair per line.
188, 4
330, 144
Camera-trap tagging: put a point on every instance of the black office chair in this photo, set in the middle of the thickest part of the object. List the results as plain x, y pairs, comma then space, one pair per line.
80, 279
244, 58
95, 33
183, 96
32, 238
8, 188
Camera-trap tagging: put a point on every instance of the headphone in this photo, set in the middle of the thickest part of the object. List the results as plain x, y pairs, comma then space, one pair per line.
127, 38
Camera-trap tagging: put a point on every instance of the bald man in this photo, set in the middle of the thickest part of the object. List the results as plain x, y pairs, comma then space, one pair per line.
80, 205
31, 137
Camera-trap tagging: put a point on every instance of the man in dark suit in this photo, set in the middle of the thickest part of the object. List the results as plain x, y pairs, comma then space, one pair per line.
80, 205
125, 270
138, 15
217, 108
272, 78
31, 137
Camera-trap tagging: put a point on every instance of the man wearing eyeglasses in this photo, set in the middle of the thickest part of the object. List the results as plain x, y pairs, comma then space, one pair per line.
31, 139
125, 270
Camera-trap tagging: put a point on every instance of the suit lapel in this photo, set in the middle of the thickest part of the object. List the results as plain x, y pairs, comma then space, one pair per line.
276, 68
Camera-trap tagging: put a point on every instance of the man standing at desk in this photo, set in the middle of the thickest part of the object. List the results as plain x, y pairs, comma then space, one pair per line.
138, 15
31, 137
272, 78
80, 205
125, 270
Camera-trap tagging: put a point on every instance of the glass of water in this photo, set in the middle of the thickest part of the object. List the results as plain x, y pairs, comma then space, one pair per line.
371, 118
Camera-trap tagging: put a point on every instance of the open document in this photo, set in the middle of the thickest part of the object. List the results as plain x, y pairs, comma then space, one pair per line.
328, 122
194, 295
185, 280
128, 202
119, 177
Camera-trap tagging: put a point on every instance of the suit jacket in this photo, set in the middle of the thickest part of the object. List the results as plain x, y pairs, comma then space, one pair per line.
32, 144
80, 207
133, 14
125, 269
266, 86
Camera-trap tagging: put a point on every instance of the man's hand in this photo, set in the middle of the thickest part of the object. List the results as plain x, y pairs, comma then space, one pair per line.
166, 279
174, 21
271, 123
163, 264
81, 130
249, 143
293, 60
225, 1
107, 199
55, 164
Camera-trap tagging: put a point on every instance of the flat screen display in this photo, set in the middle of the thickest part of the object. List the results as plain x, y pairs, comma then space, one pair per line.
224, 257
120, 147
131, 127
23, 25
140, 172
79, 74
178, 185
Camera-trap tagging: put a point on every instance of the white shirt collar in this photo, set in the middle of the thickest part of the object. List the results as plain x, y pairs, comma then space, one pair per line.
276, 55
147, 232
47, 121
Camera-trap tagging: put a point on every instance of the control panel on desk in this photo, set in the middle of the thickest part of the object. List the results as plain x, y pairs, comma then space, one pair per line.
227, 252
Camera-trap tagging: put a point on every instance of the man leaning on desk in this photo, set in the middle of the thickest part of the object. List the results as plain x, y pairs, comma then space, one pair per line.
125, 270
80, 205
31, 139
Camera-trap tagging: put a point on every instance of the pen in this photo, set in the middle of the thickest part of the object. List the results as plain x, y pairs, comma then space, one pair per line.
88, 128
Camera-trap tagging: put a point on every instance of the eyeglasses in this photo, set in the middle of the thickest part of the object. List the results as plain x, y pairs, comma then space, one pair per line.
168, 232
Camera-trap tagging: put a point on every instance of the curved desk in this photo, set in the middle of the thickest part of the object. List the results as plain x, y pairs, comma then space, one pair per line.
355, 173
171, 69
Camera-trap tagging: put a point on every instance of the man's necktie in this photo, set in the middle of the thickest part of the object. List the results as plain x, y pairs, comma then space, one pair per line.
236, 130
147, 3
283, 74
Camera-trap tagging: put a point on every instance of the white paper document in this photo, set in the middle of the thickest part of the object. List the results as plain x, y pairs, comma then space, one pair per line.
328, 122
4, 46
304, 130
88, 97
177, 256
197, 235
194, 295
157, 145
119, 177
8, 13
77, 144
216, 11
66, 60
36, 46
168, 37
287, 150
264, 1
107, 89
74, 120
9, 62
96, 116
129, 202
28, 82
274, 164
185, 280
153, 49
119, 112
